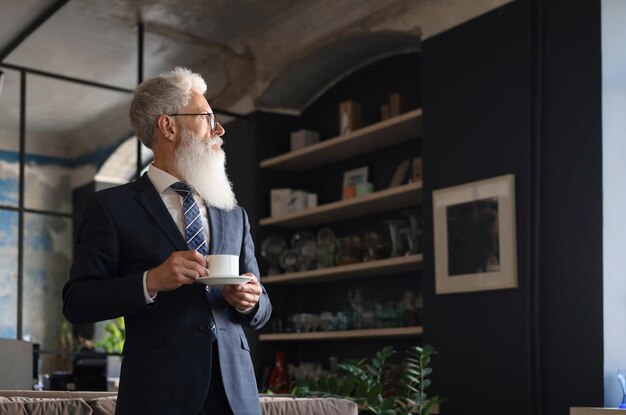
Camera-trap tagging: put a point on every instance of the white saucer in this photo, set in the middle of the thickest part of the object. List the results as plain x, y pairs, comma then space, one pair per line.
224, 280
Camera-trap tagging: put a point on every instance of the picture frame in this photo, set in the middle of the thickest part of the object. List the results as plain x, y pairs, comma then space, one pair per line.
475, 236
355, 176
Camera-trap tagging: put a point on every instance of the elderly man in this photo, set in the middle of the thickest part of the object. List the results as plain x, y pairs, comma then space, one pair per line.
142, 246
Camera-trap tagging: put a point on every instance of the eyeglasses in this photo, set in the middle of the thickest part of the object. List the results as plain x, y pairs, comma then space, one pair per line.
209, 116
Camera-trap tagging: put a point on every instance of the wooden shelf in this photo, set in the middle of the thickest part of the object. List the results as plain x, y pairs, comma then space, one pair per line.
395, 198
399, 129
345, 334
363, 269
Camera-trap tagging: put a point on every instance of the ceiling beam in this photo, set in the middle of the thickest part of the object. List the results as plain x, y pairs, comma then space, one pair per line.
64, 78
31, 28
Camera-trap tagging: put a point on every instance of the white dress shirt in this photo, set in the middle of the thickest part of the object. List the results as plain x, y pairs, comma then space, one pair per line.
162, 181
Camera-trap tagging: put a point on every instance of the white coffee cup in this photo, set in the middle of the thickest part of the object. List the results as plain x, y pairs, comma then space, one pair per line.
223, 265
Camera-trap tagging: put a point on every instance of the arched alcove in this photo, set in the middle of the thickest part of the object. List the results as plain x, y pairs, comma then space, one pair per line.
312, 76
121, 165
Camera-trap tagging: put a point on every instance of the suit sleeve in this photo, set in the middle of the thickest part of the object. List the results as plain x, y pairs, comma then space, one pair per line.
95, 290
248, 263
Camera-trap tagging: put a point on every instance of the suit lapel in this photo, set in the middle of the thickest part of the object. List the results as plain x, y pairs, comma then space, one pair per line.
151, 201
216, 229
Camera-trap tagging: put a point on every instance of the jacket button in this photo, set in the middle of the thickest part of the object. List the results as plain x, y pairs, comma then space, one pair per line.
204, 327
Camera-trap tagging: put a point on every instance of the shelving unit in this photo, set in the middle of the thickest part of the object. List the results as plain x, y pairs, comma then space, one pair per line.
343, 272
388, 199
386, 133
382, 146
345, 334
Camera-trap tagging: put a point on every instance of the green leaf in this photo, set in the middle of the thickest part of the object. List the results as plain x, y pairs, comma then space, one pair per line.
388, 404
300, 391
348, 387
374, 393
323, 384
412, 371
333, 385
361, 389
413, 379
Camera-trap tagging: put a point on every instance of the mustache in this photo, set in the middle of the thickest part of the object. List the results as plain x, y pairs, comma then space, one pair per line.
216, 139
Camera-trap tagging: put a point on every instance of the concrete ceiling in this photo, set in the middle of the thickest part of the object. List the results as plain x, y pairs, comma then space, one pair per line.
276, 55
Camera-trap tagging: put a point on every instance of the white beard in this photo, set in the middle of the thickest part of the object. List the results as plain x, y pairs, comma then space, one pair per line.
204, 168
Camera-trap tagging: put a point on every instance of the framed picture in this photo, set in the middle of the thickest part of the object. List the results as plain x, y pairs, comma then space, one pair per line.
475, 240
356, 176
353, 182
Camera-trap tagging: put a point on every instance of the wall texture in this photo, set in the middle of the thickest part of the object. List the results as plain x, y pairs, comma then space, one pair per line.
518, 91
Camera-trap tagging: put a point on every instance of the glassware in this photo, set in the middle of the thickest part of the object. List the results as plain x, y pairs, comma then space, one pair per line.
326, 248
375, 247
350, 250
621, 378
409, 308
271, 249
304, 244
289, 260
396, 246
413, 233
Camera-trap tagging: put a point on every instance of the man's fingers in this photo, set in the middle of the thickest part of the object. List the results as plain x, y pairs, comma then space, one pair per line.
195, 256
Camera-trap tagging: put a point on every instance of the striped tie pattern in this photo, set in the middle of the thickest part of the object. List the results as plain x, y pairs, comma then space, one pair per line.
194, 231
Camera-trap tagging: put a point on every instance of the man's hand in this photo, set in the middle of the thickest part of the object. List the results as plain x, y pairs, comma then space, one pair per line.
244, 296
181, 268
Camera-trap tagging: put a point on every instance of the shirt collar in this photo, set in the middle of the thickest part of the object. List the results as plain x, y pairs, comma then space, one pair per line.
161, 179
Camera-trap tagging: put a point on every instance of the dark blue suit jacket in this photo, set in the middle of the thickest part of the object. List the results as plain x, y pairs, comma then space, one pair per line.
166, 367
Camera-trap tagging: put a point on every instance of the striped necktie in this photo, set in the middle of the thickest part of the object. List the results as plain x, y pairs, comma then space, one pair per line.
194, 231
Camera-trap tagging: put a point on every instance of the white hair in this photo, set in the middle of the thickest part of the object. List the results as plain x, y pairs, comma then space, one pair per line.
164, 94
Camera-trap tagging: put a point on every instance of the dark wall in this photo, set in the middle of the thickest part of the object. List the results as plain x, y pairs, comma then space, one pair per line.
570, 268
477, 108
518, 91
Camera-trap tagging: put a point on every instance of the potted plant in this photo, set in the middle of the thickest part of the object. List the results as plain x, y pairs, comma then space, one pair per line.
365, 383
113, 345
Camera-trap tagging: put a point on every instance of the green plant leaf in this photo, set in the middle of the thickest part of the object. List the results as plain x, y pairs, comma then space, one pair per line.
388, 404
322, 384
361, 389
363, 384
333, 385
300, 391
348, 387
374, 393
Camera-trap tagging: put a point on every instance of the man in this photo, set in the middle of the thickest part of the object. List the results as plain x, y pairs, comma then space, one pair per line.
185, 350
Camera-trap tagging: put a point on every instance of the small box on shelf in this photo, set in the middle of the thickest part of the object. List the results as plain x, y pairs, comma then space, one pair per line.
302, 138
396, 104
384, 112
349, 117
283, 201
311, 201
298, 201
278, 201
